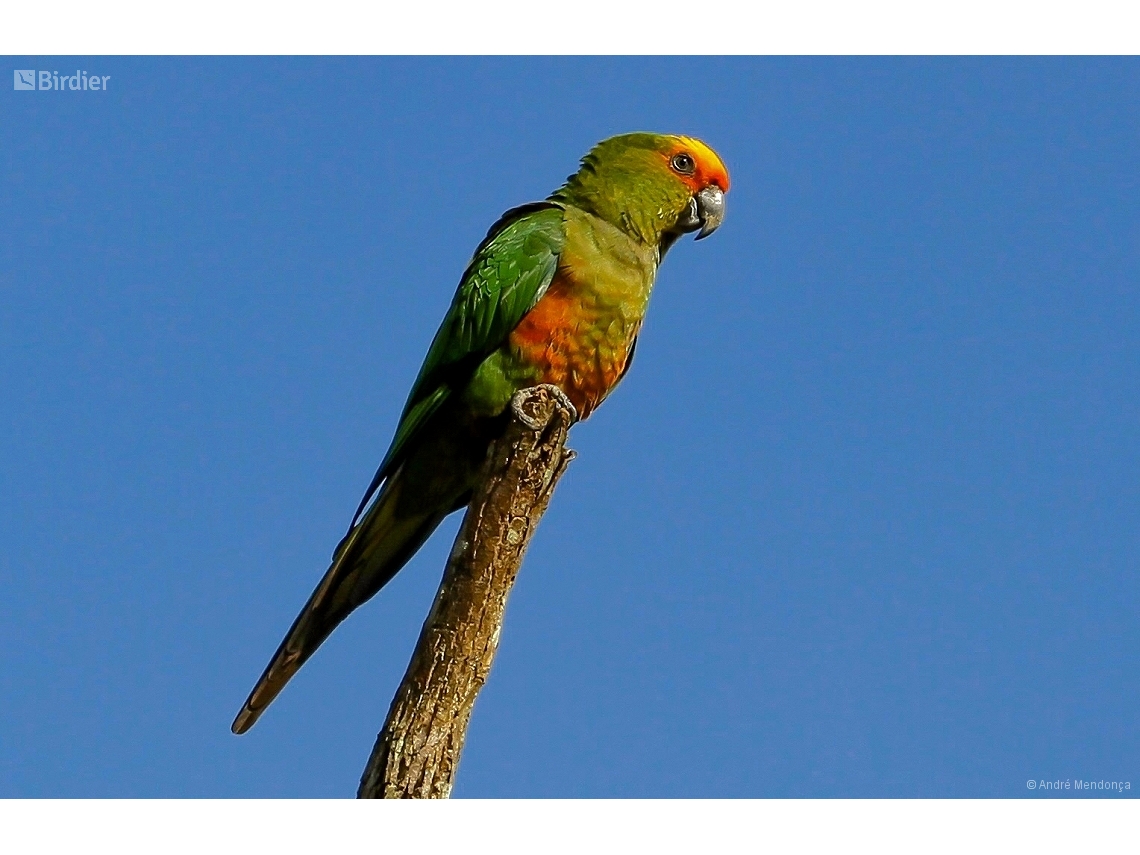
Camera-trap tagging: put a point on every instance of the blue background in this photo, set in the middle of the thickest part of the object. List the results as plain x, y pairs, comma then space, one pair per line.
863, 520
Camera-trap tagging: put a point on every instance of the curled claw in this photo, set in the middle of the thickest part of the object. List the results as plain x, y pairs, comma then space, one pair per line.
527, 405
562, 399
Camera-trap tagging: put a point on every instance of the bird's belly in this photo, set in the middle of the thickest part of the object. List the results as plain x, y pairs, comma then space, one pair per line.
576, 343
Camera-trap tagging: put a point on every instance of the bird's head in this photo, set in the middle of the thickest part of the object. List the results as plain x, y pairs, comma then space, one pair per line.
655, 187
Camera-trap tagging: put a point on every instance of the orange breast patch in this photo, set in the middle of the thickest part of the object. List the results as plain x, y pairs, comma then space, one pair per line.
572, 342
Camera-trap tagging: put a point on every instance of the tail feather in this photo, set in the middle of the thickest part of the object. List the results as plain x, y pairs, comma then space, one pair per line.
366, 560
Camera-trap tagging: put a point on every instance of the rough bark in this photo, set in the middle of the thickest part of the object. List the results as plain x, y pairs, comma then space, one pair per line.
417, 752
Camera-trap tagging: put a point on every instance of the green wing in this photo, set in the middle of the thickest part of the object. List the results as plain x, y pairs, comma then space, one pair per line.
509, 273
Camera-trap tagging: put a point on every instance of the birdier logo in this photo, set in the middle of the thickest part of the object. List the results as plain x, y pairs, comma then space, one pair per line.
81, 81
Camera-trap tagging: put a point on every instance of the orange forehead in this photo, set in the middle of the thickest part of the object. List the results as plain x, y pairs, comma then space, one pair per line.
710, 168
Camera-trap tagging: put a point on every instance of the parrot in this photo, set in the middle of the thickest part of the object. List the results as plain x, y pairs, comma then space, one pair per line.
555, 294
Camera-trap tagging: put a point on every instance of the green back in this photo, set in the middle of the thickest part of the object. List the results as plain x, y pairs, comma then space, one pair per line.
509, 273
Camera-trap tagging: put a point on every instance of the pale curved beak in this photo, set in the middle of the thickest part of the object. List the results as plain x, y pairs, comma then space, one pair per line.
710, 210
705, 212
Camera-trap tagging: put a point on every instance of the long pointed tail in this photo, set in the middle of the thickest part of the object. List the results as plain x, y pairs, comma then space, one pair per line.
366, 560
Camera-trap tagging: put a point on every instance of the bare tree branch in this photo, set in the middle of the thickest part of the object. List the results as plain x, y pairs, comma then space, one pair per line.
417, 752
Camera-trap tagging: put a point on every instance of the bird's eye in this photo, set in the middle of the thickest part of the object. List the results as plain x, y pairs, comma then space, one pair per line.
684, 164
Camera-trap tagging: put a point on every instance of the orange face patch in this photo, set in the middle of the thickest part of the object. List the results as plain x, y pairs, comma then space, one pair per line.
710, 169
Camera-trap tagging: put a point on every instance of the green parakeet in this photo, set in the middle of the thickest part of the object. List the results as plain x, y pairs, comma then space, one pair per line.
555, 293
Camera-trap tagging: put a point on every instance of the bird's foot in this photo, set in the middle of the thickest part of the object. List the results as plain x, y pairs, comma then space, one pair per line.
563, 399
522, 405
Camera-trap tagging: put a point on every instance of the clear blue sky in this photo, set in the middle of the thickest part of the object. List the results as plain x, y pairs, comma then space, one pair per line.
863, 520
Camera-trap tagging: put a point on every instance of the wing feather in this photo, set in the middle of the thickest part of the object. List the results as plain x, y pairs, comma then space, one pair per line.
509, 272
